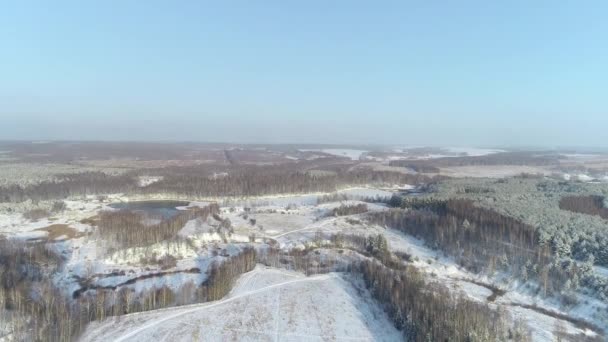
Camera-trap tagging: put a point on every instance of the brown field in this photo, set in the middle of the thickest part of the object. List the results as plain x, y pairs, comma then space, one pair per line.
58, 230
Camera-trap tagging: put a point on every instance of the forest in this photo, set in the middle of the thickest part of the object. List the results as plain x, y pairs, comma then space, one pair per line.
199, 182
483, 240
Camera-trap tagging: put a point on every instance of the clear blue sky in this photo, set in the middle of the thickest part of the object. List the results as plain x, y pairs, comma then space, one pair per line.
402, 72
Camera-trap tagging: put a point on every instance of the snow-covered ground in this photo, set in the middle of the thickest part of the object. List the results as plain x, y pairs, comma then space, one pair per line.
147, 180
315, 308
347, 153
473, 151
265, 305
443, 152
493, 171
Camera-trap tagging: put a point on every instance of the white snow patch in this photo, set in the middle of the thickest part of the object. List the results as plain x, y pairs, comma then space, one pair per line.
473, 151
348, 153
147, 180
266, 304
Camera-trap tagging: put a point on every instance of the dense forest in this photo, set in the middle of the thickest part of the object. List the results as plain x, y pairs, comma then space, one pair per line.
203, 182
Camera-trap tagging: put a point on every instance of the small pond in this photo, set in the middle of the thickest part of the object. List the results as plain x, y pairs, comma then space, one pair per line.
166, 209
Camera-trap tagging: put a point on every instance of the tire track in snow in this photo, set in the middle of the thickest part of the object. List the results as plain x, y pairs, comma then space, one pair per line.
313, 226
218, 303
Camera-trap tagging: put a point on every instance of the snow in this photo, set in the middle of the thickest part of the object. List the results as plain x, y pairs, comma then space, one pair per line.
348, 153
492, 171
444, 152
147, 180
314, 308
601, 271
581, 155
473, 151
311, 198
266, 304
584, 178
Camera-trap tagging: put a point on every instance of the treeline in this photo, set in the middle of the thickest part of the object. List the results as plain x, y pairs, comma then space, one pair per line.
503, 158
420, 167
79, 184
344, 210
126, 228
429, 312
264, 180
33, 309
591, 205
198, 182
484, 240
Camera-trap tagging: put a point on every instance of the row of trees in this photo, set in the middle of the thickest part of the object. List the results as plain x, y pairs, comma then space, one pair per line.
344, 210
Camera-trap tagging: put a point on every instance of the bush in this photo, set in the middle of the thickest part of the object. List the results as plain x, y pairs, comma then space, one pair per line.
36, 214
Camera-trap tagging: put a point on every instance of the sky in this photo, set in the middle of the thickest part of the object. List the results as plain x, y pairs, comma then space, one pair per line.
462, 73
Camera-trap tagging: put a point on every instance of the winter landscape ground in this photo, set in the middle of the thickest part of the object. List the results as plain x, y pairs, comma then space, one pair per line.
216, 242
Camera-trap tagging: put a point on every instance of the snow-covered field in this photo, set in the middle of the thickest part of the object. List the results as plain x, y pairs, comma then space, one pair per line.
473, 151
347, 153
493, 171
265, 305
443, 152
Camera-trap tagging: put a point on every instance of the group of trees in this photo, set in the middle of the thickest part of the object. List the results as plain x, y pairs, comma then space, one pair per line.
344, 210
591, 205
34, 309
126, 228
485, 240
427, 311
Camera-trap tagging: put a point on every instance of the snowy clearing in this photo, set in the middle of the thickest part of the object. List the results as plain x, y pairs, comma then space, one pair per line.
265, 305
347, 153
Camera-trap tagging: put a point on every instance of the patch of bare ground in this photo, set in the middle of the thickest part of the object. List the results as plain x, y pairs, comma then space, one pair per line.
62, 231
91, 221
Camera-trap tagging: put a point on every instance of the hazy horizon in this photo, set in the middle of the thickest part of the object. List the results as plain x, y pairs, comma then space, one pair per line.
466, 74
